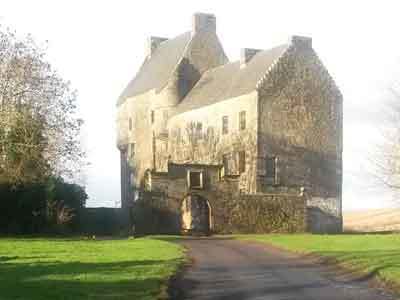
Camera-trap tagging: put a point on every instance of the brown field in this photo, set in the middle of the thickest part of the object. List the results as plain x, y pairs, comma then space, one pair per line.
372, 220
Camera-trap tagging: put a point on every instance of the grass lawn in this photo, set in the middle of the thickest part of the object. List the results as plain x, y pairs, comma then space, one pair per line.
39, 268
377, 254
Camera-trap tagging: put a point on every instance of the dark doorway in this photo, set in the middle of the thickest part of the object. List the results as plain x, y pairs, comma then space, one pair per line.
195, 215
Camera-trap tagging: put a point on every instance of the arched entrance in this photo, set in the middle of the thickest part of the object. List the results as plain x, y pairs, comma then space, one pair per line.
196, 215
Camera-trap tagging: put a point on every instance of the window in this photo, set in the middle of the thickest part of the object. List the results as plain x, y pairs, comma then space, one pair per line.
225, 129
130, 123
270, 167
152, 116
165, 115
225, 163
242, 162
195, 179
199, 130
132, 150
242, 120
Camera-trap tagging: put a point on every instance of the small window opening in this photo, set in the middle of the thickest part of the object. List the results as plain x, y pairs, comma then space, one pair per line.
242, 120
195, 179
152, 116
199, 130
225, 124
130, 123
225, 163
271, 167
242, 162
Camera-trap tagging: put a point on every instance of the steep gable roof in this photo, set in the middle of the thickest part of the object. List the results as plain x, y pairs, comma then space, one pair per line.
156, 70
230, 80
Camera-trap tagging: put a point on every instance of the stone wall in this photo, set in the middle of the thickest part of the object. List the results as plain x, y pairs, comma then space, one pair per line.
184, 146
230, 211
300, 124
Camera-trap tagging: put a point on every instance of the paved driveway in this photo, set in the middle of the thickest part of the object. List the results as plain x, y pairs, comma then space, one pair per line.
234, 270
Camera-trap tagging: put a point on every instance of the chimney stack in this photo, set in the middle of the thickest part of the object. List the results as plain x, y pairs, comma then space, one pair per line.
300, 41
152, 43
203, 22
246, 54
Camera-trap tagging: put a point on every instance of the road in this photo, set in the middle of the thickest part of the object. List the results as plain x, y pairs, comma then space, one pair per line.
226, 269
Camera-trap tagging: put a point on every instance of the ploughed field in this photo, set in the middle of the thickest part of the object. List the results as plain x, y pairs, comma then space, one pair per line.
375, 255
372, 220
39, 268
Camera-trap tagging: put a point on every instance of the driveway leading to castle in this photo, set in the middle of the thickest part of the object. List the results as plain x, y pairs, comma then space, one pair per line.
235, 270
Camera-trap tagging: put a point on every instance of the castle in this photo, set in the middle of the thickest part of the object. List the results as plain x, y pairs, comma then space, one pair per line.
253, 145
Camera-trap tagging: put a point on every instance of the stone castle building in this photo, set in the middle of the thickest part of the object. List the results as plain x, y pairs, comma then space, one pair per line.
250, 145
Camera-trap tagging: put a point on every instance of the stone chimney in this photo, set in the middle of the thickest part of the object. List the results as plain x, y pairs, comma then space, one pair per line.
152, 43
246, 54
300, 41
203, 22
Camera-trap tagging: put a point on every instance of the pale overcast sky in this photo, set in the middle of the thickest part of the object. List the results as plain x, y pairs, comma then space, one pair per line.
99, 46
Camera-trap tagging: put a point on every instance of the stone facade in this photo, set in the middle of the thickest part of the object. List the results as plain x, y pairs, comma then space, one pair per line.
247, 146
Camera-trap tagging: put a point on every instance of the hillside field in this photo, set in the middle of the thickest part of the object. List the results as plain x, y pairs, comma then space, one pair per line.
372, 220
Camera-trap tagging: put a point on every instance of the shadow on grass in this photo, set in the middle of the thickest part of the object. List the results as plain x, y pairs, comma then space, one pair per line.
76, 280
367, 265
181, 238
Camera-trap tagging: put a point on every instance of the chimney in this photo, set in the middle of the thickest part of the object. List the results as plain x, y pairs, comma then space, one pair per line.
300, 41
203, 22
246, 54
152, 43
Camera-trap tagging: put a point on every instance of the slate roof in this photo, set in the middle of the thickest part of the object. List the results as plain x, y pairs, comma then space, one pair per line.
229, 80
155, 71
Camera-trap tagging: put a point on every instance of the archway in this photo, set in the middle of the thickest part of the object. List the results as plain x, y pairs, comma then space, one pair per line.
196, 215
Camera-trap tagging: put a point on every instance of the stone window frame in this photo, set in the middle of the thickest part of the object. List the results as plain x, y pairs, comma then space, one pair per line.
225, 163
199, 130
273, 172
242, 120
242, 161
201, 179
225, 125
131, 152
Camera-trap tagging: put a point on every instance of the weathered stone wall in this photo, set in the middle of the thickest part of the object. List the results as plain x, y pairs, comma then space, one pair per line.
300, 123
203, 52
185, 147
230, 211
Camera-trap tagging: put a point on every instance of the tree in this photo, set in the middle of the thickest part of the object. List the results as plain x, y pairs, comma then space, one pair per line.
39, 130
386, 159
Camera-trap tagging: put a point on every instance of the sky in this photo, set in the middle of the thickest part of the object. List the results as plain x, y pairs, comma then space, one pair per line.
99, 46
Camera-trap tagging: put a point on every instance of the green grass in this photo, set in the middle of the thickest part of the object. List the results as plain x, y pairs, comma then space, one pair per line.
35, 268
374, 254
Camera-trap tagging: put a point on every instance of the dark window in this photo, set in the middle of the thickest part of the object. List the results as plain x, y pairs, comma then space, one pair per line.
152, 116
270, 167
242, 120
225, 163
130, 123
195, 179
242, 162
225, 121
199, 130
131, 150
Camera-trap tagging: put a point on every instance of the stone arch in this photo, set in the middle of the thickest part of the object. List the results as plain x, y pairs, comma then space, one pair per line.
196, 214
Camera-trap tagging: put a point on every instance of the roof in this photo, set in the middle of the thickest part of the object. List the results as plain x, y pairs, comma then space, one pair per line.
156, 70
229, 80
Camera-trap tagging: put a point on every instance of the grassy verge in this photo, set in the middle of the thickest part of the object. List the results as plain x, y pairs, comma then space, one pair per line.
86, 269
375, 254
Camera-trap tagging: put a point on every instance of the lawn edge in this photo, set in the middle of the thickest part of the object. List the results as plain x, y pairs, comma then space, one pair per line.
377, 280
168, 287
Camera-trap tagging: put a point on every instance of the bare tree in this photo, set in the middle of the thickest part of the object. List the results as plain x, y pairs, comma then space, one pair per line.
39, 130
386, 158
